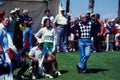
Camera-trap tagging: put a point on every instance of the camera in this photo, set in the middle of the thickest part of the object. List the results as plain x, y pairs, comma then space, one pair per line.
4, 67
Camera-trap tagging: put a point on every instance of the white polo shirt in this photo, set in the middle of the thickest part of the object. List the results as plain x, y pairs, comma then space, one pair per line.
37, 53
46, 17
60, 19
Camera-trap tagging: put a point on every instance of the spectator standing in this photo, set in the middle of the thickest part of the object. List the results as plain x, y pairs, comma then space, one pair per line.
11, 25
17, 14
47, 16
4, 41
18, 32
100, 32
84, 43
28, 30
106, 34
95, 30
110, 27
117, 35
60, 23
73, 37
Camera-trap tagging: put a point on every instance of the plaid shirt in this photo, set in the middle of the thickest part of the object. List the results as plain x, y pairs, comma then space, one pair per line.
84, 30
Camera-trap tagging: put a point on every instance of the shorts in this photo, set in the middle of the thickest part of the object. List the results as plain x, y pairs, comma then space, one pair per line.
49, 45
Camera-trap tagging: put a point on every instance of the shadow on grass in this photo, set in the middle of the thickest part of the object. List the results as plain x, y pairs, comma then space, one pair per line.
93, 70
28, 77
62, 72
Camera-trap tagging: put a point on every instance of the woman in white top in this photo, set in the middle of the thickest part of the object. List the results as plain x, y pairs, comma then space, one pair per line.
47, 34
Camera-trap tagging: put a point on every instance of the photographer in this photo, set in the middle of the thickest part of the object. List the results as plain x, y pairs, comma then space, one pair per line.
4, 57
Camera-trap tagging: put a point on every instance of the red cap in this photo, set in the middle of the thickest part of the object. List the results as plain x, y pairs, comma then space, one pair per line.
2, 13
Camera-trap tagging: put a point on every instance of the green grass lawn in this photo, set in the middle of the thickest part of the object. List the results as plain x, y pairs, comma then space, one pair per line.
102, 66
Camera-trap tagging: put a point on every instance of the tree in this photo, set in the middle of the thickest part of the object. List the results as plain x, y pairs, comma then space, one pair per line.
118, 7
69, 18
91, 6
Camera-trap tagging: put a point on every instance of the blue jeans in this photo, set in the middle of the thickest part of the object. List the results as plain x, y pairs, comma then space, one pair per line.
84, 49
28, 31
61, 38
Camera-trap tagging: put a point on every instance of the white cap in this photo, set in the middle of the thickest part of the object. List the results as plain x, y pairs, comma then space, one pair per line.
17, 9
12, 11
40, 41
62, 9
92, 14
69, 14
25, 11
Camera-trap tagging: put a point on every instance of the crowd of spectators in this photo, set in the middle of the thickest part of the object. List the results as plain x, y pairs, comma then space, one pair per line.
105, 33
16, 32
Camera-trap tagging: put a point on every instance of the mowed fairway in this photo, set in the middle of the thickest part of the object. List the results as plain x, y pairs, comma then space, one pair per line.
102, 66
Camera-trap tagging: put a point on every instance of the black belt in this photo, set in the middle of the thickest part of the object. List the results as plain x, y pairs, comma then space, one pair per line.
84, 38
62, 25
28, 26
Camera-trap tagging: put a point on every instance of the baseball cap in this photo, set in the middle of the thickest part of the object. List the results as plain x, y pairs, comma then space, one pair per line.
112, 20
25, 11
92, 14
12, 11
17, 9
62, 9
